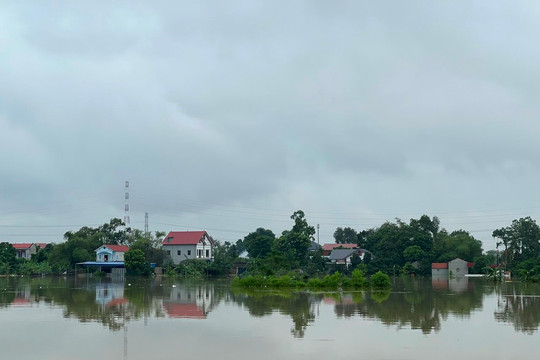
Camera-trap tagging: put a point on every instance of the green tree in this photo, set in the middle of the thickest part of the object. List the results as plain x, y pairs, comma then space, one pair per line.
136, 263
295, 243
414, 253
521, 240
458, 244
259, 243
8, 258
345, 236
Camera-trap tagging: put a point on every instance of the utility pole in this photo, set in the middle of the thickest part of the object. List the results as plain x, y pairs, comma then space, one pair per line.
318, 234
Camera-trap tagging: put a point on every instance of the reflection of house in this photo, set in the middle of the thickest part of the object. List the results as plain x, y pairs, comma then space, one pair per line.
454, 268
108, 253
189, 302
110, 294
184, 245
327, 248
25, 251
454, 284
344, 256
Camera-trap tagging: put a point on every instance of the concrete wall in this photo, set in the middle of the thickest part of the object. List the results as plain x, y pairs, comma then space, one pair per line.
458, 268
439, 272
179, 253
199, 251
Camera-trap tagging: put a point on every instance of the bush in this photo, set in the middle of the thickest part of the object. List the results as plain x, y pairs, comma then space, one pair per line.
332, 281
380, 280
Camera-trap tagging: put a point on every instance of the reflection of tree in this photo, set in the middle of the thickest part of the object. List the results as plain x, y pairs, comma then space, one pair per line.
418, 306
299, 306
518, 304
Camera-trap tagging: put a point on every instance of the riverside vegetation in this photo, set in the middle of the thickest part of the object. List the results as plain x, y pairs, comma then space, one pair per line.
394, 248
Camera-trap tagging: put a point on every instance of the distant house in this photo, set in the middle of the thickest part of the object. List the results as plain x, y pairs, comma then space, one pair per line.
25, 251
327, 248
184, 245
107, 253
455, 268
313, 246
343, 256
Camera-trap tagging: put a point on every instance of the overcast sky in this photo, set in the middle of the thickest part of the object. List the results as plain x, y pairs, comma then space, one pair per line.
226, 116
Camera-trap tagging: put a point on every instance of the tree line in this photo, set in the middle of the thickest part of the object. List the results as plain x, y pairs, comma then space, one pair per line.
394, 247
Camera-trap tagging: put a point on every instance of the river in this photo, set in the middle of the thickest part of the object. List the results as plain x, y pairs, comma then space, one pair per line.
58, 318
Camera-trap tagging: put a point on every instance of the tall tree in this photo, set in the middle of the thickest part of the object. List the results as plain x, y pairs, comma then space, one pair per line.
295, 243
521, 240
345, 236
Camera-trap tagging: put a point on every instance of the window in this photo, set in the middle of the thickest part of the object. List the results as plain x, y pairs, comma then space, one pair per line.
179, 252
168, 252
207, 253
189, 252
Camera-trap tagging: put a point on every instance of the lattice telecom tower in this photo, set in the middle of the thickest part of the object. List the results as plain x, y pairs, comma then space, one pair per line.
126, 204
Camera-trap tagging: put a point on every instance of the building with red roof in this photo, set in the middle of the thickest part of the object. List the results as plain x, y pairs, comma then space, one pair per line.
25, 251
106, 253
184, 245
456, 267
327, 248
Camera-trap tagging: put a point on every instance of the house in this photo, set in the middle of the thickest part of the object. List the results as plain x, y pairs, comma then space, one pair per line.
454, 268
327, 248
184, 245
343, 256
313, 246
107, 253
25, 251
458, 267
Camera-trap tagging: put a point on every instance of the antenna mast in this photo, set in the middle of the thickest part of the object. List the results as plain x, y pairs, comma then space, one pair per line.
126, 203
146, 223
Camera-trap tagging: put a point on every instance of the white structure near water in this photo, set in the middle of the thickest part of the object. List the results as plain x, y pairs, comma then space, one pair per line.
185, 245
108, 253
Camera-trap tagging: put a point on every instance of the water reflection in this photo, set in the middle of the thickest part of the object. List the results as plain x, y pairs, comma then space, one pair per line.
420, 304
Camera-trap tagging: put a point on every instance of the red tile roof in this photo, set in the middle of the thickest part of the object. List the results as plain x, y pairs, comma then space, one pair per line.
41, 245
345, 246
117, 248
22, 246
184, 237
439, 265
179, 310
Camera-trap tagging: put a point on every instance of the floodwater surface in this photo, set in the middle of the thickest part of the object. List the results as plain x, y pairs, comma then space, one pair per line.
57, 318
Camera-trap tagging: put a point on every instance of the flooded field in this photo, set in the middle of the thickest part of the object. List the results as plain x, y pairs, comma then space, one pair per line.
56, 318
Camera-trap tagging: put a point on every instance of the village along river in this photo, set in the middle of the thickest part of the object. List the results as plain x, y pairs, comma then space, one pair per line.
56, 318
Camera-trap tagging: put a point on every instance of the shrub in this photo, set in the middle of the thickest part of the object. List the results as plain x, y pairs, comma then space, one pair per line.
332, 281
380, 280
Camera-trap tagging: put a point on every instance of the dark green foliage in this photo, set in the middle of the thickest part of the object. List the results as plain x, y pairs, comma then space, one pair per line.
136, 263
294, 243
8, 258
459, 244
380, 280
521, 241
345, 236
259, 243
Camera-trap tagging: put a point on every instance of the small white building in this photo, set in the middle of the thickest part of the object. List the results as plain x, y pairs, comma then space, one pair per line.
184, 245
106, 253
